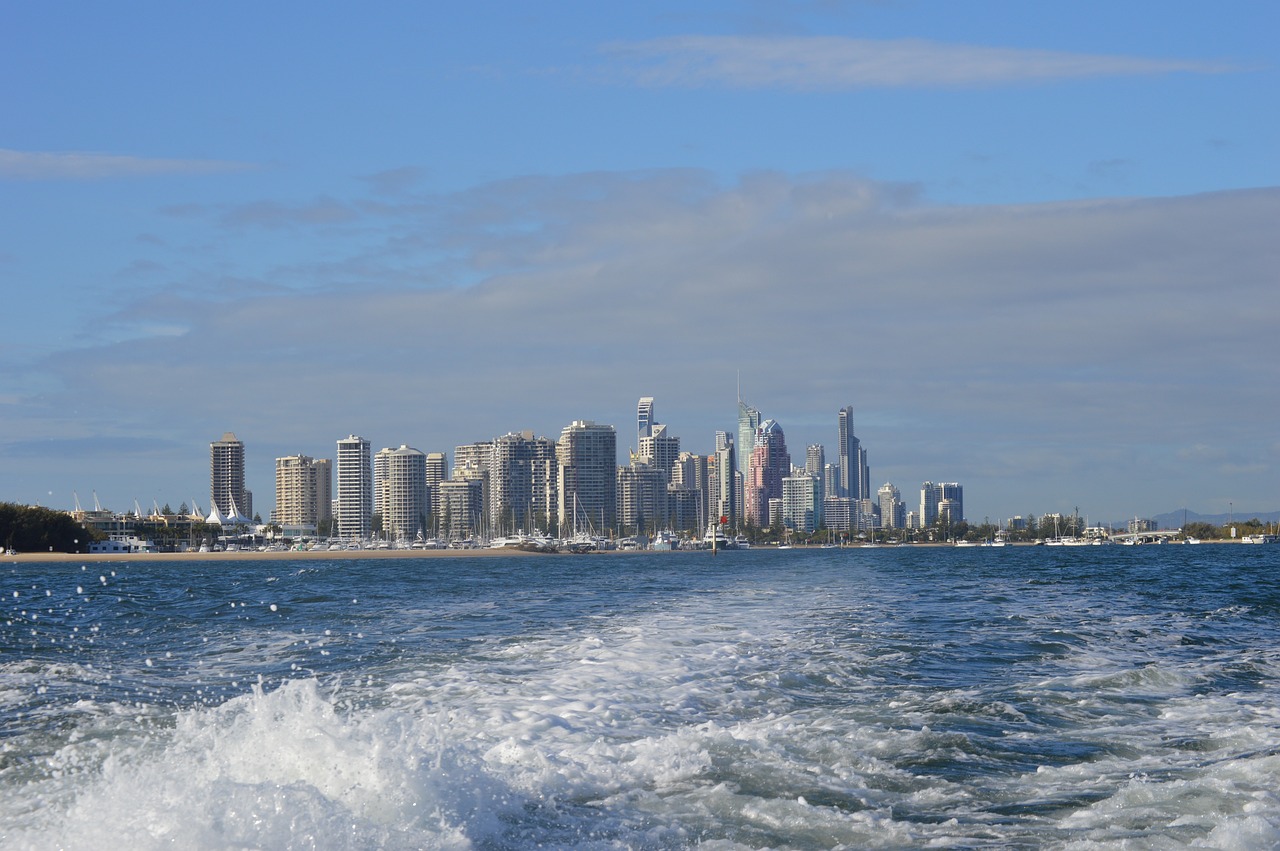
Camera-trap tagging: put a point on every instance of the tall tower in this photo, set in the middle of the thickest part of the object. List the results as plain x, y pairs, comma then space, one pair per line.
645, 419
355, 488
587, 460
748, 425
855, 475
226, 476
770, 464
724, 486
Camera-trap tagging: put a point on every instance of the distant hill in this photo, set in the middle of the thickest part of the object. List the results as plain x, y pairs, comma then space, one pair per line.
1174, 519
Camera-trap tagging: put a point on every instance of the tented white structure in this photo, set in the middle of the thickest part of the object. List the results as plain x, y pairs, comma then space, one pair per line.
215, 516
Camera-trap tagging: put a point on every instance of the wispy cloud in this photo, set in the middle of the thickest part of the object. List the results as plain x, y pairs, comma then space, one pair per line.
834, 63
80, 165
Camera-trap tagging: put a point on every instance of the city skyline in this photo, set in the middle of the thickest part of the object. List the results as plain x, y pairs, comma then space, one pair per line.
1032, 245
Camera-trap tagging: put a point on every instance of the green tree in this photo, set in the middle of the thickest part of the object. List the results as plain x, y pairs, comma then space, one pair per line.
36, 529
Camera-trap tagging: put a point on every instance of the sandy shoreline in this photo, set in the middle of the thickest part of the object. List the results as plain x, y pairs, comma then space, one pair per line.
294, 555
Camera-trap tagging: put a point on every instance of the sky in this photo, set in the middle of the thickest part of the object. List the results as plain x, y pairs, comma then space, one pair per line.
1034, 245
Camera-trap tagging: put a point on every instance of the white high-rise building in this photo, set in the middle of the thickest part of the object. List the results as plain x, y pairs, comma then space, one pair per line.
660, 451
404, 493
586, 457
931, 497
802, 503
892, 509
815, 460
354, 469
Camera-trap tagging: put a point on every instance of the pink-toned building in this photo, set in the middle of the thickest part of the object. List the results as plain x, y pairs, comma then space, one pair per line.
769, 465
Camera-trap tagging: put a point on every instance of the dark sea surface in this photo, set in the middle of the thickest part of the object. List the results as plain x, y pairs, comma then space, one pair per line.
1066, 697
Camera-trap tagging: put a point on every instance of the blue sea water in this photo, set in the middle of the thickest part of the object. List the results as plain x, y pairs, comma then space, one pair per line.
1091, 697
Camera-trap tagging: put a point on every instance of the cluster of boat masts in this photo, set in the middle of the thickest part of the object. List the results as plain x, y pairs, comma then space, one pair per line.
527, 542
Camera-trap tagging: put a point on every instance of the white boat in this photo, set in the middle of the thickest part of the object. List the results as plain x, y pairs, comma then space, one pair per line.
715, 538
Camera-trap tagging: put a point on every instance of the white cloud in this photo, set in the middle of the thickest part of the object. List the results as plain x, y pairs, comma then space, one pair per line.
79, 165
834, 63
1063, 342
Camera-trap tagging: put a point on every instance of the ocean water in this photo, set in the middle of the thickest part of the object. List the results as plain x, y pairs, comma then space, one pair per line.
1093, 697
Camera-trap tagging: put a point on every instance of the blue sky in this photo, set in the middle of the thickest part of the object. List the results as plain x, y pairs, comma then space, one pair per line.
1032, 244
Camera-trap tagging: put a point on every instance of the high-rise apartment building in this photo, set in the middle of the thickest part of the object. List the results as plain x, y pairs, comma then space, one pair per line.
304, 494
642, 499
690, 473
403, 491
892, 508
931, 497
802, 503
381, 459
659, 450
586, 458
522, 482
770, 464
838, 514
722, 484
437, 470
461, 508
471, 463
354, 469
226, 478
815, 460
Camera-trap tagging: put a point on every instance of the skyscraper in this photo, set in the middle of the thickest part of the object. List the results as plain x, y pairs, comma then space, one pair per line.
226, 477
770, 464
722, 480
748, 425
355, 488
645, 418
855, 476
587, 461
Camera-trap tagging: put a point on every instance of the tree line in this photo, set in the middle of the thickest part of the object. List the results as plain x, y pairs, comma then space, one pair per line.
31, 529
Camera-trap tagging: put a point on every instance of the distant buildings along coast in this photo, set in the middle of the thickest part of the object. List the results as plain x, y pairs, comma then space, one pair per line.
573, 484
